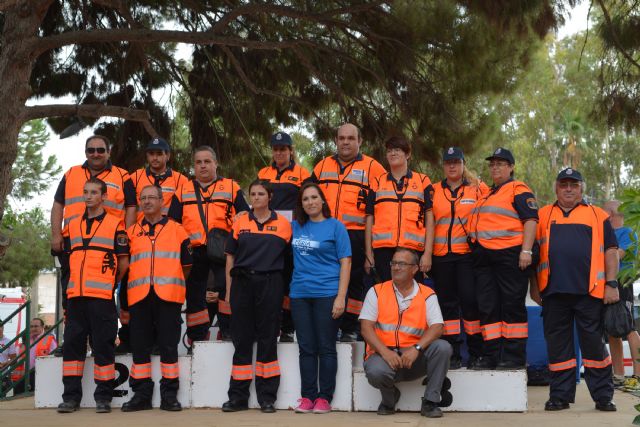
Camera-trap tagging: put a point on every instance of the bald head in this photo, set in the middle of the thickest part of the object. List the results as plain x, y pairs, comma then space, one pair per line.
348, 142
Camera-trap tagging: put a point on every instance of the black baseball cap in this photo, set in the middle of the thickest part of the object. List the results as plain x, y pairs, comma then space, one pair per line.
502, 154
158, 144
281, 138
452, 153
569, 173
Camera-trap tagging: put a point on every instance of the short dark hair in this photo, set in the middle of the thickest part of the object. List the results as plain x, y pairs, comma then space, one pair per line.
157, 187
39, 320
98, 181
301, 216
205, 148
104, 139
264, 183
414, 255
400, 142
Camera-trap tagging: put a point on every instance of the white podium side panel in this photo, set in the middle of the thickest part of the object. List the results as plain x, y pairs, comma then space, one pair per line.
212, 371
473, 391
48, 393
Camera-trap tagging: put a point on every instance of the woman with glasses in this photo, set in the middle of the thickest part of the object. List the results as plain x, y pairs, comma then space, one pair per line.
322, 264
398, 212
453, 199
503, 228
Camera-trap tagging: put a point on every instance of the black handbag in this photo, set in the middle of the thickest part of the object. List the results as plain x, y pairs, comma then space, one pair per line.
216, 237
618, 321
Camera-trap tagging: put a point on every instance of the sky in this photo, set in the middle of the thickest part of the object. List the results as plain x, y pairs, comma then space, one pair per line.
70, 151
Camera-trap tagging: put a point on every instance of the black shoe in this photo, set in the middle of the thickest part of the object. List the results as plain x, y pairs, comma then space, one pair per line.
471, 362
170, 404
68, 406
483, 364
509, 365
267, 408
430, 409
555, 405
136, 404
607, 406
122, 348
349, 337
390, 410
57, 352
286, 337
103, 407
455, 363
234, 406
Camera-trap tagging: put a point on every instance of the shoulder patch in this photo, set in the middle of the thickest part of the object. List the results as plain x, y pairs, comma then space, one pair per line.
532, 204
122, 240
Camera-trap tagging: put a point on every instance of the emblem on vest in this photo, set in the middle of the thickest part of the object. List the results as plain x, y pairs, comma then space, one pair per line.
108, 263
272, 228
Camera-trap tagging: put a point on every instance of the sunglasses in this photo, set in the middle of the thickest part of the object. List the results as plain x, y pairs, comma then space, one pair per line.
99, 150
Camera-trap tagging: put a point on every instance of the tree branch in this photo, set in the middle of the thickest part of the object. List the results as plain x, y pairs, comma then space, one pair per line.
614, 36
90, 110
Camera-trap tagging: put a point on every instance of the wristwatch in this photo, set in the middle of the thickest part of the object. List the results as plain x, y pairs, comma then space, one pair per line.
612, 284
417, 347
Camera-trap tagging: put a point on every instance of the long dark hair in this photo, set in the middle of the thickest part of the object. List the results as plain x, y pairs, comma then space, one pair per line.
301, 216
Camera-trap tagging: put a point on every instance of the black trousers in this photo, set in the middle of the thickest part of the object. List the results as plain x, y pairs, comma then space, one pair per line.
198, 321
123, 332
559, 311
255, 316
502, 289
65, 273
455, 285
94, 319
355, 292
286, 324
154, 320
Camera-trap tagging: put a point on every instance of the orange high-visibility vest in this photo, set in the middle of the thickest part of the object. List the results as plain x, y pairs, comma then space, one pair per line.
399, 218
155, 261
589, 215
94, 265
393, 329
451, 216
285, 184
346, 190
169, 186
495, 223
77, 176
42, 349
218, 207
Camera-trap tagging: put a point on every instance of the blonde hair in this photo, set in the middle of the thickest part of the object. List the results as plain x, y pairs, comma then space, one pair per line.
470, 176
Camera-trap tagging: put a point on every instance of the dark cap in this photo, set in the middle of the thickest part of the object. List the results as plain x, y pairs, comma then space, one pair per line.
158, 144
452, 153
569, 173
281, 138
502, 154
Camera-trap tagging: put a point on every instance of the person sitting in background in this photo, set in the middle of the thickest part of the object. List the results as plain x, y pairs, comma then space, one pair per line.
42, 348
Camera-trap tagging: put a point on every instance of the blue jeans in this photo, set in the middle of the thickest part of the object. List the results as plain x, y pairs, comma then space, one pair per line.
316, 331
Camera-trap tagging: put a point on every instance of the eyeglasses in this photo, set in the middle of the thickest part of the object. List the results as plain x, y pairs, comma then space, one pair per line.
498, 164
569, 184
145, 198
400, 264
99, 150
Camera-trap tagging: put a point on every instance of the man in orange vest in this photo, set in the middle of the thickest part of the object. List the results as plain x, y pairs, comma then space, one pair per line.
99, 257
160, 261
345, 179
206, 206
401, 323
44, 347
158, 173
69, 203
576, 276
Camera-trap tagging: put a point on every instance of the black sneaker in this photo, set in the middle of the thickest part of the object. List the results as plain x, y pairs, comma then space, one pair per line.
555, 405
136, 404
483, 364
509, 365
103, 407
390, 410
68, 406
170, 404
606, 406
57, 352
455, 363
349, 337
286, 337
234, 406
267, 408
430, 409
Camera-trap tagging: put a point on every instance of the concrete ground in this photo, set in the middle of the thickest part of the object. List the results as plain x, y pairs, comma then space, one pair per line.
20, 412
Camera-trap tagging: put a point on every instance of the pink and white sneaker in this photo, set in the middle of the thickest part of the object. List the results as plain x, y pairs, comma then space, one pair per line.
304, 406
321, 406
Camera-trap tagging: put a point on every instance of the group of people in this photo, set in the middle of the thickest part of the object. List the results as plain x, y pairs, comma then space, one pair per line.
297, 256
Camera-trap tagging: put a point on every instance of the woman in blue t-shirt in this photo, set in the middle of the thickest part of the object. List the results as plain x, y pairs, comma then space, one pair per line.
321, 268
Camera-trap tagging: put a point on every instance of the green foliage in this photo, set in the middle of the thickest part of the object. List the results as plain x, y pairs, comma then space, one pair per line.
630, 207
31, 173
29, 252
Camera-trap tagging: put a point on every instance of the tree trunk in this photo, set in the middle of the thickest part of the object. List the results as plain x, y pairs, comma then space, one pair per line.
21, 23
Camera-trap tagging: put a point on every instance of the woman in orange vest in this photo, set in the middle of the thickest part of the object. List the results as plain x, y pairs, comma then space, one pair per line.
286, 178
255, 251
453, 199
503, 227
398, 212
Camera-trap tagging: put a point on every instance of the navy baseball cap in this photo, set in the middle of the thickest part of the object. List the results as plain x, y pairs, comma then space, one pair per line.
158, 144
570, 173
281, 138
502, 154
452, 153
